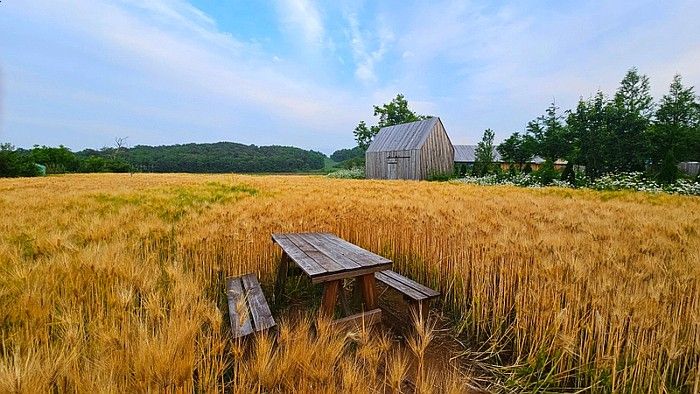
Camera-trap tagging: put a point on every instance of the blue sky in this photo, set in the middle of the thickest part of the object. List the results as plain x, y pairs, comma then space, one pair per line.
303, 73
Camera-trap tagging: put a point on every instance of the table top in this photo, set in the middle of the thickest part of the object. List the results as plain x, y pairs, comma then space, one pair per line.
324, 257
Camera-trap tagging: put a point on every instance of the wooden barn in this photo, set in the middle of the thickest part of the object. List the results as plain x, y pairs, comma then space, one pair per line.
413, 150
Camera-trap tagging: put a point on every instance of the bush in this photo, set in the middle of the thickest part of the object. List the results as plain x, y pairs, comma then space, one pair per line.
15, 164
547, 173
669, 169
440, 176
354, 173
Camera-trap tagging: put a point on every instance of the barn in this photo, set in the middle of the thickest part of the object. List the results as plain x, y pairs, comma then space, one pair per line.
413, 150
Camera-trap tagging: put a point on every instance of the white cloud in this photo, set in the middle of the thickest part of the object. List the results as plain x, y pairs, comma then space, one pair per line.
366, 59
303, 17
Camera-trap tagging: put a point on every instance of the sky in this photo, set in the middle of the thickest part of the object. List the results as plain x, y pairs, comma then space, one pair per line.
304, 73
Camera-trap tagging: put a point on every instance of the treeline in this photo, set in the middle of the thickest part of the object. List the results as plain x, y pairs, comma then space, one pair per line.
623, 133
194, 158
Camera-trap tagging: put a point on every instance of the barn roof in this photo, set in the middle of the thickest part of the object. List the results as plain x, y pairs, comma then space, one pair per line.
467, 154
405, 136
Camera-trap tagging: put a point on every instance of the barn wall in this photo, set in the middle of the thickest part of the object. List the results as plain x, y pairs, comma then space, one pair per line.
437, 153
377, 164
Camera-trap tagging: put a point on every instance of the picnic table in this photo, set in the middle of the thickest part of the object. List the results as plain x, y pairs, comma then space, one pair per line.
328, 260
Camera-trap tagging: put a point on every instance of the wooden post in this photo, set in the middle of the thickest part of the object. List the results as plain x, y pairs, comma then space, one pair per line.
281, 277
368, 291
330, 295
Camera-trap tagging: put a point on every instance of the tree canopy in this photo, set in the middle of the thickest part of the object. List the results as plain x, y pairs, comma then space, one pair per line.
392, 113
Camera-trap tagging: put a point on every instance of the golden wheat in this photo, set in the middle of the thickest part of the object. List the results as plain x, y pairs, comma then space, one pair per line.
115, 283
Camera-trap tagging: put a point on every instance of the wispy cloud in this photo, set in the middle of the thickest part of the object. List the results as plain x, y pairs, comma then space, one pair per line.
366, 59
304, 18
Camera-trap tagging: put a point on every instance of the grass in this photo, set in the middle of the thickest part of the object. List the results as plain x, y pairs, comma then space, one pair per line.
115, 283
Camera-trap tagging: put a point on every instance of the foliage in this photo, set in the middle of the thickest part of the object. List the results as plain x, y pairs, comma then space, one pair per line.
352, 173
483, 154
517, 149
347, 154
546, 174
395, 112
15, 164
218, 157
627, 132
57, 160
633, 181
669, 170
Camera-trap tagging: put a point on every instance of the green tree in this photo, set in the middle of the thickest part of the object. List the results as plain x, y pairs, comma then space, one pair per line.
483, 161
550, 134
15, 164
517, 149
395, 112
676, 125
634, 106
590, 129
669, 169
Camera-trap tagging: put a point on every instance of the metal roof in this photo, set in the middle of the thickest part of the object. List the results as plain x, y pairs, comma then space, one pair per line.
467, 154
406, 136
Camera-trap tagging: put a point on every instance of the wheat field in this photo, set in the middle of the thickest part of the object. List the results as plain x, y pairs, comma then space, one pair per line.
115, 283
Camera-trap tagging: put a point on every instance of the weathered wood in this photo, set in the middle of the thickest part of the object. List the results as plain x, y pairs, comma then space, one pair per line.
330, 295
367, 318
327, 263
306, 263
241, 324
363, 256
410, 151
349, 274
247, 306
369, 292
408, 287
259, 310
331, 250
282, 274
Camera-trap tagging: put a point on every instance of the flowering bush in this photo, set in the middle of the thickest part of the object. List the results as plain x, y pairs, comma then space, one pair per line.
622, 181
353, 173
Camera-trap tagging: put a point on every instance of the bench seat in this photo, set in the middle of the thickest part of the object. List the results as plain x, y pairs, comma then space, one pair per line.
409, 288
247, 306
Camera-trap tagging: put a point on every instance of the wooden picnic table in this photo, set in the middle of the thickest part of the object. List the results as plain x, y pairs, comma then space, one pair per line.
328, 260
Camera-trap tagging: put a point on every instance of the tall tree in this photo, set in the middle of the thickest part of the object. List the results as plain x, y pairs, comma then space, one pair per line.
591, 134
634, 108
483, 161
392, 113
676, 126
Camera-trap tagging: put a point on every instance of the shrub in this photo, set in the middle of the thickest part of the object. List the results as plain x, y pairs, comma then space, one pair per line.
353, 173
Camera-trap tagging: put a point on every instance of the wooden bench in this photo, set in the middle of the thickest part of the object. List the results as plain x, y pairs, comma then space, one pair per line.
418, 295
247, 306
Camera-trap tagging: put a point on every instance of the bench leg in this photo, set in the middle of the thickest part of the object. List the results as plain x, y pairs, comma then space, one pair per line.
419, 309
369, 292
281, 278
330, 295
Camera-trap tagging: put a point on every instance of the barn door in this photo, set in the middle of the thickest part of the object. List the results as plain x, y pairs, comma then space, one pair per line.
392, 170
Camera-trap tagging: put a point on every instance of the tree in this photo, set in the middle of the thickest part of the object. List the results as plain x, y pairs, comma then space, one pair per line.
14, 164
676, 125
517, 149
550, 135
392, 113
633, 105
483, 161
590, 128
669, 170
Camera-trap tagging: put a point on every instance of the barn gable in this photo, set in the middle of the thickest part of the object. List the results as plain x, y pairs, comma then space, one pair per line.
406, 136
413, 150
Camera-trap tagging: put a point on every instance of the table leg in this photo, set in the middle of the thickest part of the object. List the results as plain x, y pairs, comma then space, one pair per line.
369, 293
330, 295
281, 277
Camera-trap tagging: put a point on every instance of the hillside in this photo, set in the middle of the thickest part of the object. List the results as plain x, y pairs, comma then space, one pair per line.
217, 158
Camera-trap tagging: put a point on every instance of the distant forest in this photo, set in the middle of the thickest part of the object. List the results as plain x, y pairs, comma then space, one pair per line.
220, 157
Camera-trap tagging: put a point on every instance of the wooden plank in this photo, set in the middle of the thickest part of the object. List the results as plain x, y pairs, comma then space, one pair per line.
321, 259
368, 318
399, 286
259, 309
240, 323
322, 245
360, 255
349, 274
428, 292
330, 295
306, 263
